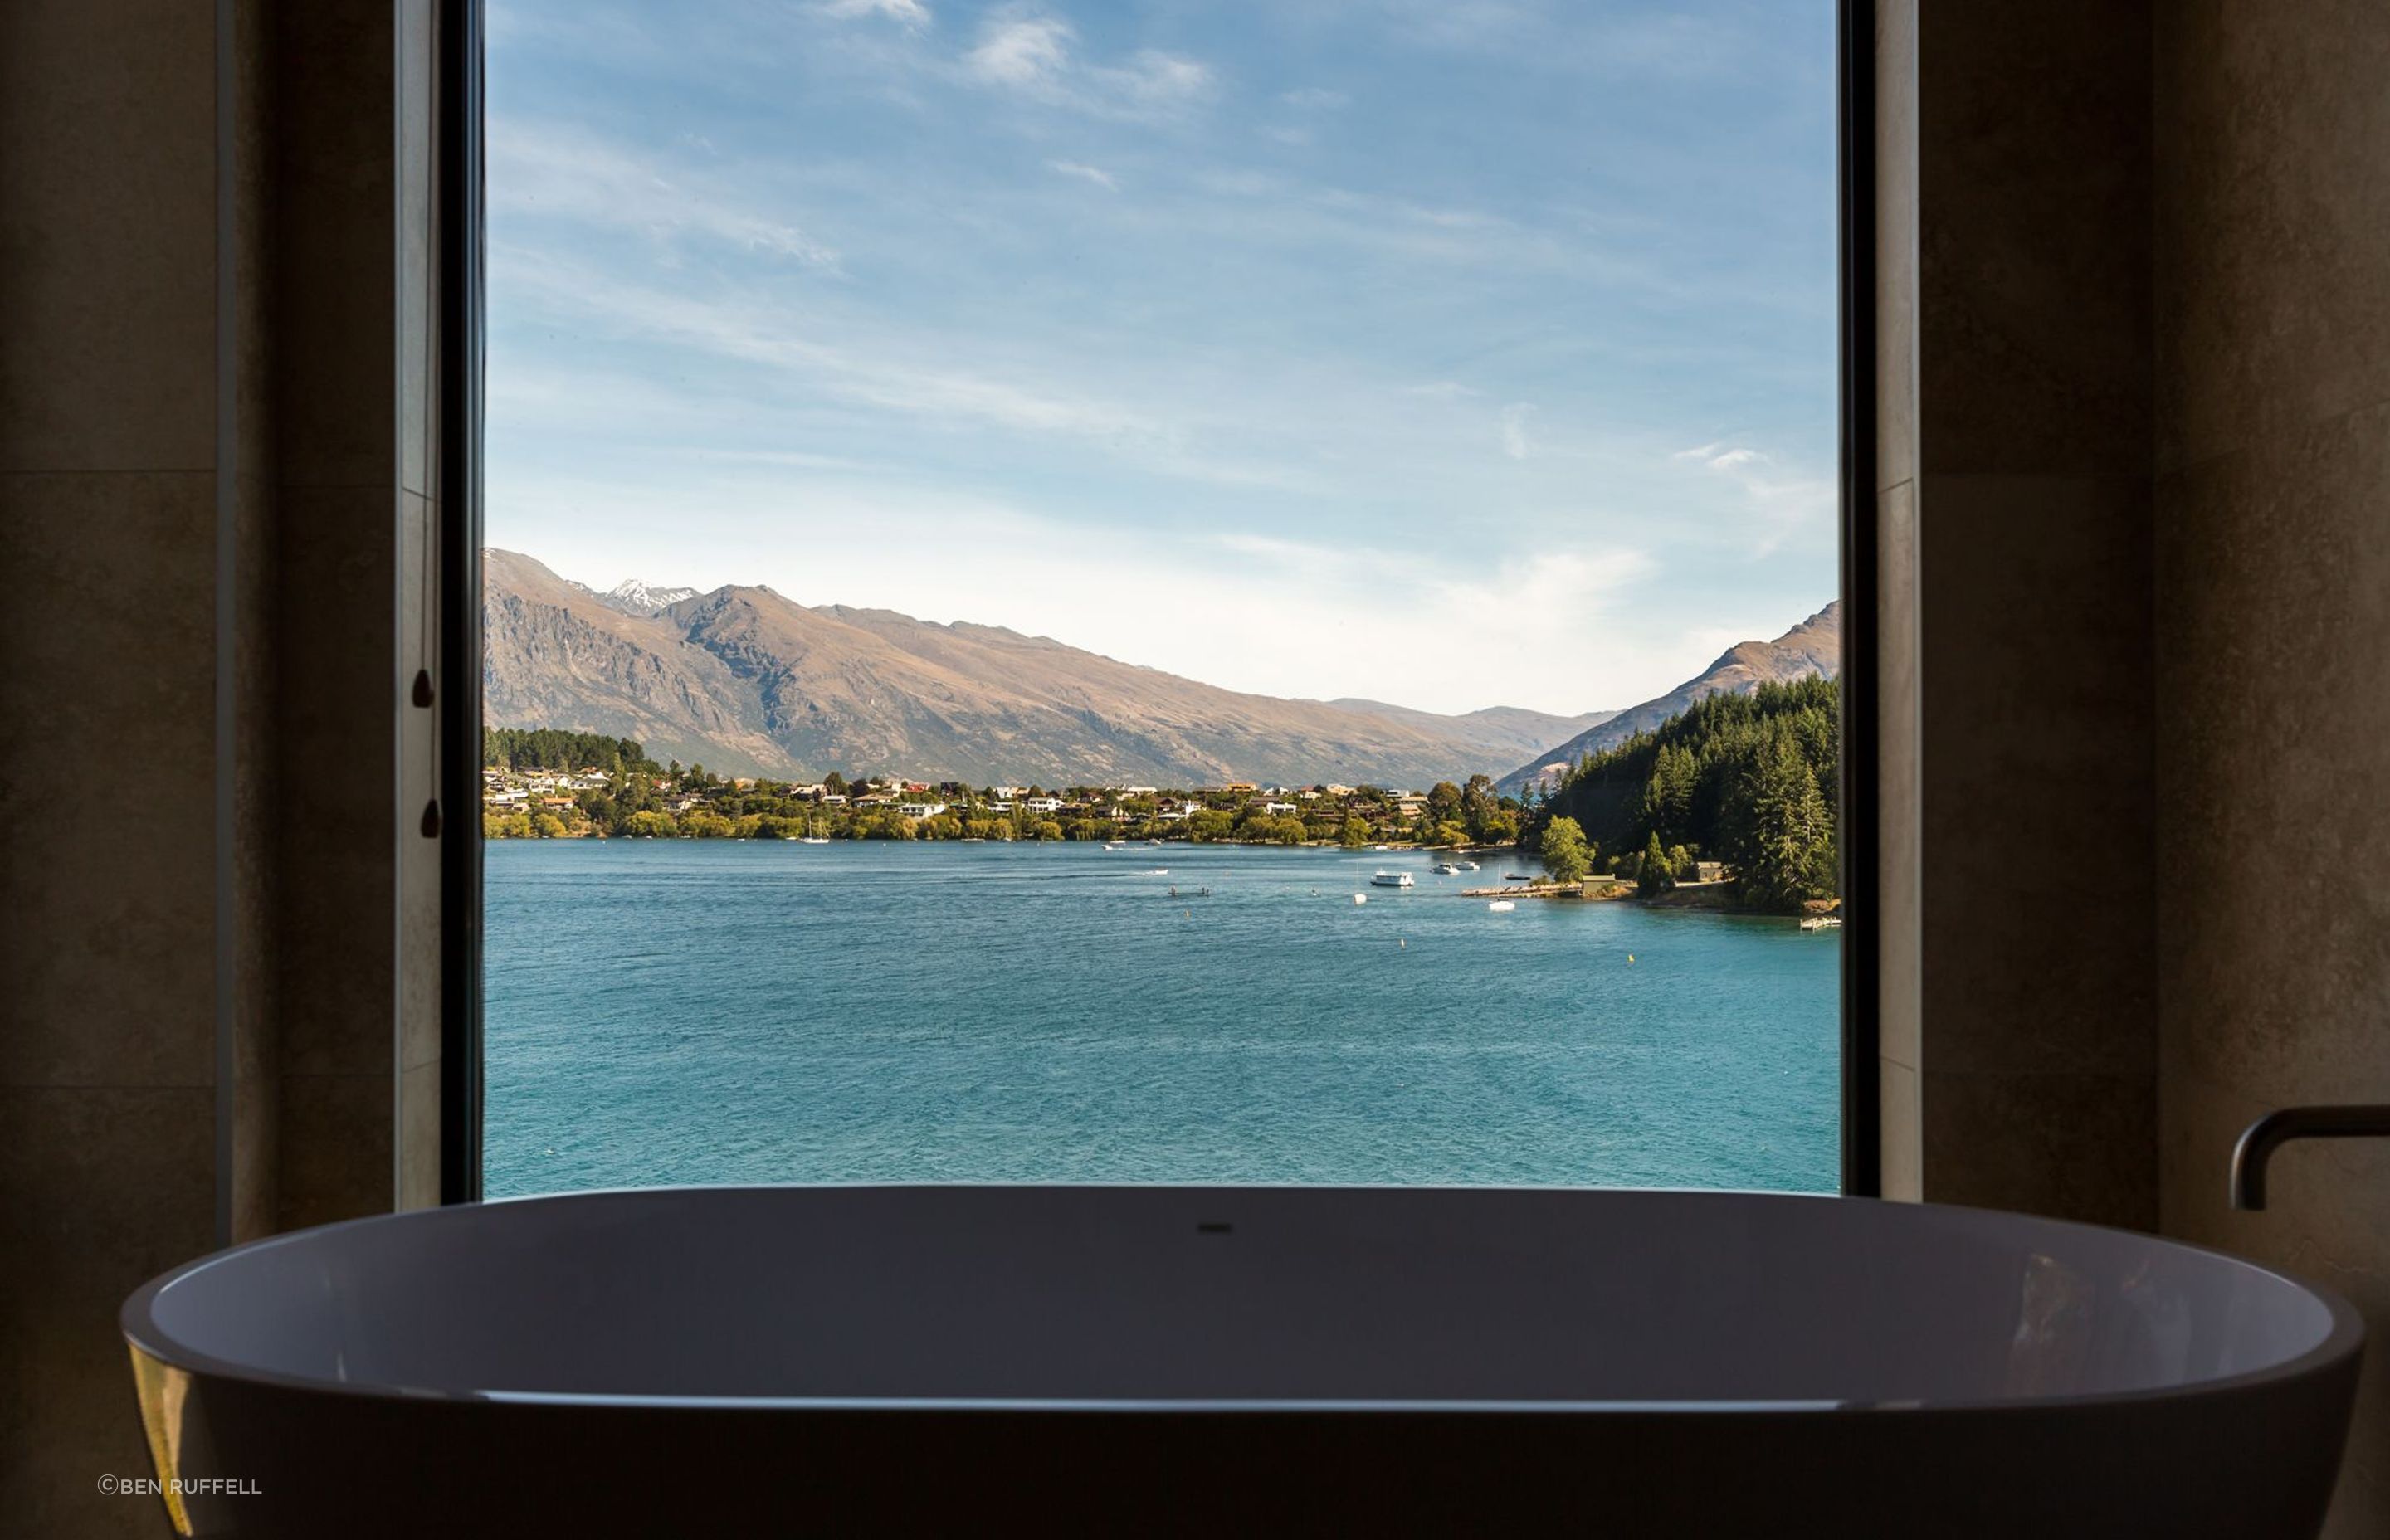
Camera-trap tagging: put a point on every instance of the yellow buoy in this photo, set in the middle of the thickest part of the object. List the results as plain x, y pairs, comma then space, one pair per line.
1630, 957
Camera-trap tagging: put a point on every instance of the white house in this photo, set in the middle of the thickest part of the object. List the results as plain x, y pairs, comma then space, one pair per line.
920, 810
1278, 810
1043, 804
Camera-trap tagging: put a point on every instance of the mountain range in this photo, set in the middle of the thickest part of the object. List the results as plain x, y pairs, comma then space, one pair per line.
746, 681
1812, 647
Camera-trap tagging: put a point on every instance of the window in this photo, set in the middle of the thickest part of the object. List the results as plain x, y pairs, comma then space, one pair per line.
1207, 593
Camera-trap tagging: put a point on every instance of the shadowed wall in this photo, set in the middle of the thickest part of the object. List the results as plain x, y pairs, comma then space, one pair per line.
2273, 639
218, 918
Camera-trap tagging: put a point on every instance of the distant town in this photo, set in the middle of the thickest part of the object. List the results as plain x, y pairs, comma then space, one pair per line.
540, 784
1729, 803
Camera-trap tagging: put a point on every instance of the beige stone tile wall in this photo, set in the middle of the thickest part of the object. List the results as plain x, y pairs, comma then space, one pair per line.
2018, 1000
151, 418
2273, 627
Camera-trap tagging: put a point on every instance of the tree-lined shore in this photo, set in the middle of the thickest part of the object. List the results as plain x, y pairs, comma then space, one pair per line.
547, 783
1739, 789
1749, 782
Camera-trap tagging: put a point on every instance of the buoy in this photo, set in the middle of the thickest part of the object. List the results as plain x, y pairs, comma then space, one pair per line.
1399, 942
1360, 898
1630, 957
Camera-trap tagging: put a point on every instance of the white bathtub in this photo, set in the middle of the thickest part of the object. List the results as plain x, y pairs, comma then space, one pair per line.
1234, 1361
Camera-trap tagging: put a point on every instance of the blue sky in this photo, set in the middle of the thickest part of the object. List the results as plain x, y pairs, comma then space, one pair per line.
1452, 354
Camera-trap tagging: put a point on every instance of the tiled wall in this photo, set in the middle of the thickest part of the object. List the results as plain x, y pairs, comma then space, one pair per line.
108, 473
201, 1035
2019, 1042
2134, 518
2273, 639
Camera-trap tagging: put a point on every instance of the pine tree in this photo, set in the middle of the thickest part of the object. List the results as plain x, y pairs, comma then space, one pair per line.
1654, 876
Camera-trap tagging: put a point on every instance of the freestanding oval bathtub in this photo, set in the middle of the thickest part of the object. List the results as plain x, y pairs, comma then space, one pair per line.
1237, 1361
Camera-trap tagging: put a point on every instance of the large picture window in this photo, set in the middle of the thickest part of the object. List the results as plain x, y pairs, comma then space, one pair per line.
1240, 592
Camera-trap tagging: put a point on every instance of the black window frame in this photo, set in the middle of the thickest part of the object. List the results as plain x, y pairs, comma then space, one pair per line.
459, 222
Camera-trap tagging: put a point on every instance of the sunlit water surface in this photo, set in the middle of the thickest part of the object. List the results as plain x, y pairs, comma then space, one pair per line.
678, 1011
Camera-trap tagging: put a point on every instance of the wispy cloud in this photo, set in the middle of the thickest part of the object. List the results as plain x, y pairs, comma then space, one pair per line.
1027, 51
1316, 98
1096, 175
1515, 419
910, 14
549, 171
1035, 54
1786, 503
765, 334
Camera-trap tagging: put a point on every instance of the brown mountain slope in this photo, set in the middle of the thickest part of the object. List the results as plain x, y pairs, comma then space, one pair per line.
557, 655
1812, 647
746, 680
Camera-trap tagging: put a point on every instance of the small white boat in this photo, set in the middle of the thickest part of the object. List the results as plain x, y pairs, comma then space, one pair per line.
1360, 898
1116, 847
1389, 879
812, 840
1822, 922
1501, 906
1381, 847
1466, 866
1445, 869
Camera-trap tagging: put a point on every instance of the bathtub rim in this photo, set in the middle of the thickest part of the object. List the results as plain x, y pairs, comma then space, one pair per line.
2346, 1339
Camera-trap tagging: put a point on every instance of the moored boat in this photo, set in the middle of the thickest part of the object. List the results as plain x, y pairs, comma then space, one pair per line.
1389, 879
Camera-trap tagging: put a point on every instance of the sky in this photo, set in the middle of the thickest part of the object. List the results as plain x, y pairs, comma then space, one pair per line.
1449, 352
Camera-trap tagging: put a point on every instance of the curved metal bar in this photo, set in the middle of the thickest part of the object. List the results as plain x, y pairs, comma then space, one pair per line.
2260, 1139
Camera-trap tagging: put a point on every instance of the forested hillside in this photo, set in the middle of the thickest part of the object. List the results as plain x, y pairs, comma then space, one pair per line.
1748, 779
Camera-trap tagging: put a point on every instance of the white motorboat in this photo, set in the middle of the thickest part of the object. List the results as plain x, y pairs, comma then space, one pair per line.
1389, 879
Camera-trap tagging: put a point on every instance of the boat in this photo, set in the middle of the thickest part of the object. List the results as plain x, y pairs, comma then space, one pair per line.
1466, 866
1381, 847
1445, 869
1389, 879
1501, 906
1116, 847
1360, 898
1822, 922
812, 839
1518, 876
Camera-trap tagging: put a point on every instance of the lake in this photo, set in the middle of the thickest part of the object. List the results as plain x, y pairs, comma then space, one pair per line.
683, 1011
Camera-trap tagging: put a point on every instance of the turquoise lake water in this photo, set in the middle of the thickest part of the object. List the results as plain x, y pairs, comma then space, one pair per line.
679, 1011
